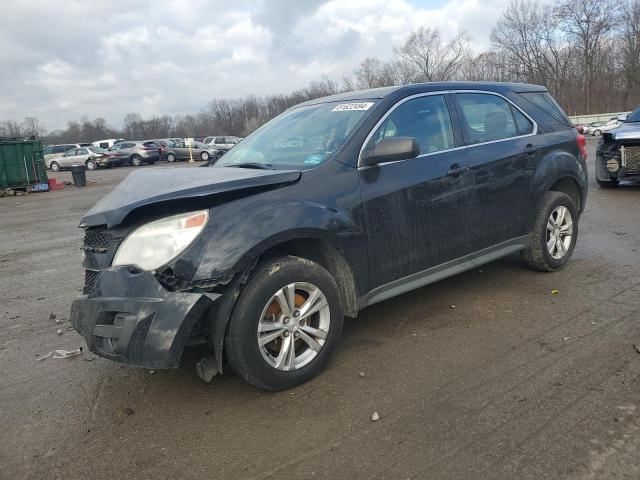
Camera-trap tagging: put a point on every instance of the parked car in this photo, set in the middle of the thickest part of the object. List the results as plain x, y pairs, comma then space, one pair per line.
52, 151
199, 151
108, 143
222, 143
91, 157
599, 127
137, 153
618, 153
337, 204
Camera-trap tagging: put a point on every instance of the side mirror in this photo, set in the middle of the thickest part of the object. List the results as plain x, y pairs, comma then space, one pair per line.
391, 150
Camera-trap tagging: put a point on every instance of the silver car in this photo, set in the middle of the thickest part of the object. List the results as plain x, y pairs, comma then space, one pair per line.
222, 143
137, 153
90, 157
53, 151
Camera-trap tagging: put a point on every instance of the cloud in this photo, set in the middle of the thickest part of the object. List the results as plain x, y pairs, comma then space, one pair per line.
109, 57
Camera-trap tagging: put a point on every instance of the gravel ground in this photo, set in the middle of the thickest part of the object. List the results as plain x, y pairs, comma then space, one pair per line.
514, 383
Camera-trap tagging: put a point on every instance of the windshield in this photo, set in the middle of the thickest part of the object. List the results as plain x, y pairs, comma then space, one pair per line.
633, 116
300, 138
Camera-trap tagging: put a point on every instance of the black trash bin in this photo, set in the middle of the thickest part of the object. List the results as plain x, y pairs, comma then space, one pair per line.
79, 175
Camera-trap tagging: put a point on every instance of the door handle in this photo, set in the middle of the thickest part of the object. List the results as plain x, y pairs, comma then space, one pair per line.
456, 170
530, 149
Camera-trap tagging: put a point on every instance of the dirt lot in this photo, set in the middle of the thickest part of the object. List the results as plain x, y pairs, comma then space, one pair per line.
514, 383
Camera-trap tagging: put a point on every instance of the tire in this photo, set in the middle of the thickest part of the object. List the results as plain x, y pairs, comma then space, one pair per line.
612, 183
256, 306
204, 156
597, 133
171, 158
91, 165
136, 160
538, 255
55, 166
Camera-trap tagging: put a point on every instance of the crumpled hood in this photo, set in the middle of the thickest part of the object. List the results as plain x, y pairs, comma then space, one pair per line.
626, 131
153, 185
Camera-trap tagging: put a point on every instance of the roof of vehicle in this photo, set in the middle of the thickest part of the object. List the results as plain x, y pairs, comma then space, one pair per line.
382, 92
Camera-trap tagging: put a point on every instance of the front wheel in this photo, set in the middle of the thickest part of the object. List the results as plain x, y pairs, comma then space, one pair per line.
91, 165
136, 160
554, 233
286, 324
597, 133
55, 166
171, 158
204, 156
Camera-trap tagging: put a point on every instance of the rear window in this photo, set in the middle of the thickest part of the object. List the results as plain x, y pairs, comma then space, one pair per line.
545, 102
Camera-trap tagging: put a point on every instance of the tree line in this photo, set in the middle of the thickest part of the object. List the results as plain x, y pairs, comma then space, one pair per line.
586, 53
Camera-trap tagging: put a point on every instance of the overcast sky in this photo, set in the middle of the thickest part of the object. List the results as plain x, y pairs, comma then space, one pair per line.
103, 58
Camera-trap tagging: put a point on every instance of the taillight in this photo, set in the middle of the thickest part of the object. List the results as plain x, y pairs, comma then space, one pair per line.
582, 144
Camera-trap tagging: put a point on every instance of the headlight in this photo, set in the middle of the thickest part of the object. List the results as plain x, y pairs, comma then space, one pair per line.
156, 243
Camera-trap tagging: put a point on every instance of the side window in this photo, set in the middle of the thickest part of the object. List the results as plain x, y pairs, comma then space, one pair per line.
219, 140
104, 145
47, 151
525, 126
426, 119
487, 117
82, 151
70, 153
229, 140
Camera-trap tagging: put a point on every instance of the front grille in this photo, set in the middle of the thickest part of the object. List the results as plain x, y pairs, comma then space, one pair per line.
630, 157
95, 241
90, 277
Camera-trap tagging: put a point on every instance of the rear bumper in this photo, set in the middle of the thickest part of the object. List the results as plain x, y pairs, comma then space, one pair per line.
130, 318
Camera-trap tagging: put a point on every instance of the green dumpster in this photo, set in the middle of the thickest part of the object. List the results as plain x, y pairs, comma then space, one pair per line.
22, 165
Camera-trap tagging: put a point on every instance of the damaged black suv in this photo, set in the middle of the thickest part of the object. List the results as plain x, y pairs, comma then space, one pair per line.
618, 153
336, 204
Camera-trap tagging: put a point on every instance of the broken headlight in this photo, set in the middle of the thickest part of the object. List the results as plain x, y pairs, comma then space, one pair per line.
156, 243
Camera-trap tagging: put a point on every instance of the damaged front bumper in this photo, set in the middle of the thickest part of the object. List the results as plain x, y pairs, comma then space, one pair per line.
131, 318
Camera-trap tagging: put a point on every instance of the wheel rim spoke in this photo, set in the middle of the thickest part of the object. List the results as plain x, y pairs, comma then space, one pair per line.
281, 359
269, 326
269, 337
286, 300
316, 332
313, 344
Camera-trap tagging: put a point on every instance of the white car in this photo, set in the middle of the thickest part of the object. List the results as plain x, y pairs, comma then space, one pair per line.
108, 143
596, 130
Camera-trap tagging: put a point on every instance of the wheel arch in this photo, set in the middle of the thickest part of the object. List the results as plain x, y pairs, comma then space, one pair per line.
571, 187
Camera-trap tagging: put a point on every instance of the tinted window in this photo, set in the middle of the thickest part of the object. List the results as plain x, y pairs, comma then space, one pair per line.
425, 118
487, 117
525, 126
104, 145
547, 104
218, 140
47, 150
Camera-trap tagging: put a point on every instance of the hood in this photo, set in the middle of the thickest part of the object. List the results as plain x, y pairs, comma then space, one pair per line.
154, 185
626, 131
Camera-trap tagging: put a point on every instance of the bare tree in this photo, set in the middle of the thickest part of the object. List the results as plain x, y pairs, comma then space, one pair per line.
431, 59
630, 48
32, 127
588, 23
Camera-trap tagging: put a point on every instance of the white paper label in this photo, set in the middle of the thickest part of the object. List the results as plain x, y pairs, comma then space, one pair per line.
347, 107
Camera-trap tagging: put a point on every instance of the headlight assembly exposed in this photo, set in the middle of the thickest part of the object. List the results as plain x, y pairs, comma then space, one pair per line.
157, 243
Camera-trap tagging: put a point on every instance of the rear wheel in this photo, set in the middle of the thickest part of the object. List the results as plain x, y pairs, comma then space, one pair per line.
136, 160
91, 165
55, 166
204, 156
597, 133
554, 233
286, 324
171, 158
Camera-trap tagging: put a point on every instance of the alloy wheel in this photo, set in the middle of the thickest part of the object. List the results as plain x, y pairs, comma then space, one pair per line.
559, 232
293, 326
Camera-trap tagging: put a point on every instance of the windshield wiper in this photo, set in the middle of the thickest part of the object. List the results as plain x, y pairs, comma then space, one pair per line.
259, 166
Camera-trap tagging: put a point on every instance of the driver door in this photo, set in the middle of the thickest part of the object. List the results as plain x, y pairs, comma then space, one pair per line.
418, 212
69, 158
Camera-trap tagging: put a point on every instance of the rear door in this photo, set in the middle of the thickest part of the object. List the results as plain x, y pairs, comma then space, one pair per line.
418, 212
501, 153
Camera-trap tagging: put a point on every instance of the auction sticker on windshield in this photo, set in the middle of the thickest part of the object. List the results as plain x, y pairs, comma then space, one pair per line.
348, 107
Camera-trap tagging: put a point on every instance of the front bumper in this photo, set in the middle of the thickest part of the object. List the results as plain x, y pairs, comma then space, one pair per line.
130, 318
